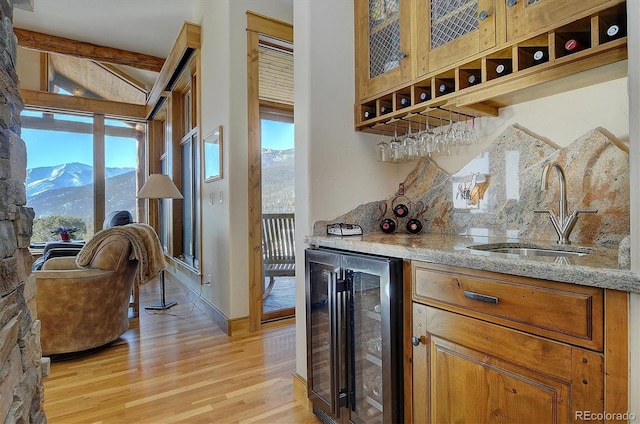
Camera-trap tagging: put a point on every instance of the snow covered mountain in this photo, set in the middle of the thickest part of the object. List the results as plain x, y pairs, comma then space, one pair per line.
46, 178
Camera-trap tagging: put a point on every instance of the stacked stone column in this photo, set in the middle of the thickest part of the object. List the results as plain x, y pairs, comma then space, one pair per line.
21, 389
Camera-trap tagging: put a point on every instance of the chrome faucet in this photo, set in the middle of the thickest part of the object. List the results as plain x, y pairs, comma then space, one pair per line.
562, 223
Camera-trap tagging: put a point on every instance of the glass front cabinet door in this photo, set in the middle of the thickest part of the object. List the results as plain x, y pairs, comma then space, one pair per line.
383, 45
454, 31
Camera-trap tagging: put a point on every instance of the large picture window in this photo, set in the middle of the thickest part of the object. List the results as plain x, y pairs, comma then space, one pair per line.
66, 160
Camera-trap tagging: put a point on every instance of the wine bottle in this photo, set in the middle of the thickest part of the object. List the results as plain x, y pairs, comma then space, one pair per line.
424, 95
473, 79
540, 56
573, 45
615, 31
405, 101
384, 109
503, 69
369, 114
445, 87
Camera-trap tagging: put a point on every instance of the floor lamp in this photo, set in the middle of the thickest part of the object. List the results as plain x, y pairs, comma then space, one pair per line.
160, 186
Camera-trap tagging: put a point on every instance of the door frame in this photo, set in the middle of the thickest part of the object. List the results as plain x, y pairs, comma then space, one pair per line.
256, 25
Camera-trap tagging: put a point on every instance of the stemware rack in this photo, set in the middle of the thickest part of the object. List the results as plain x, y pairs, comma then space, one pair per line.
525, 78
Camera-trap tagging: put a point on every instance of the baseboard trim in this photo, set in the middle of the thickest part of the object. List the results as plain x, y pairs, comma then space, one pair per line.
232, 327
300, 391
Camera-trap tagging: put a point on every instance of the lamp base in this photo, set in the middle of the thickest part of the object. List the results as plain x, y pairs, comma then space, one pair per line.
161, 307
163, 303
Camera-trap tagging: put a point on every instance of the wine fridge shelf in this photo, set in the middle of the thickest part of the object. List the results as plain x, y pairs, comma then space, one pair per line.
481, 85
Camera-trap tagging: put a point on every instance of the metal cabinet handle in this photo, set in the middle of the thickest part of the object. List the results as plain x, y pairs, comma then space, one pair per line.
481, 297
402, 55
415, 341
483, 15
511, 3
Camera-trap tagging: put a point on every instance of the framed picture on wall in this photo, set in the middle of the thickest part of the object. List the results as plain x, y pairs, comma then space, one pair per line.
212, 149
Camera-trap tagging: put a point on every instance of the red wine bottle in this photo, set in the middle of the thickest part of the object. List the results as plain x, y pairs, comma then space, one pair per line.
424, 95
384, 109
405, 101
369, 114
573, 46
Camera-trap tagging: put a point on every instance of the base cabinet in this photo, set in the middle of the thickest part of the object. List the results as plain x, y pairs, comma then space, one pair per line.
470, 365
474, 371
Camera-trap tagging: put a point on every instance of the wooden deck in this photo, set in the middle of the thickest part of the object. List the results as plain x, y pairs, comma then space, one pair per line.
172, 369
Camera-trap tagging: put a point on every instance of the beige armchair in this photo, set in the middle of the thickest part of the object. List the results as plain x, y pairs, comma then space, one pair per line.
84, 308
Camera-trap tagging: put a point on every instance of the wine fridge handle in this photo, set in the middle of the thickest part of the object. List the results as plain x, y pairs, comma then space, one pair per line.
334, 342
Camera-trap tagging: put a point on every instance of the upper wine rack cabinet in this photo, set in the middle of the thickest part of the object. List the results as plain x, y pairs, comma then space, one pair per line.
476, 56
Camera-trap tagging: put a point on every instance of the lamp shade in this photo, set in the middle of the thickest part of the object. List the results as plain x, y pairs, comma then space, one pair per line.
159, 186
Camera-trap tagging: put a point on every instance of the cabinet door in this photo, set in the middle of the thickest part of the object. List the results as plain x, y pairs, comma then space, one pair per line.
468, 370
526, 17
454, 31
383, 45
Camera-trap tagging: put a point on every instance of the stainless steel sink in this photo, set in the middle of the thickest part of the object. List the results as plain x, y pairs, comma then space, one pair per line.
521, 249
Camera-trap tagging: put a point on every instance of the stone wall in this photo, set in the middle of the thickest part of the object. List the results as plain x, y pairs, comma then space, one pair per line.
21, 389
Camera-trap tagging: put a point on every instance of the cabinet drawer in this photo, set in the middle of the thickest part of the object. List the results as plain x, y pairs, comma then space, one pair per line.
564, 312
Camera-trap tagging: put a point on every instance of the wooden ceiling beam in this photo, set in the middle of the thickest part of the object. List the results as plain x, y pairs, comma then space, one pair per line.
39, 99
53, 44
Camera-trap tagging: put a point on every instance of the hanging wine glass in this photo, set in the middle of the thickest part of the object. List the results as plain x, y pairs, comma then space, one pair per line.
409, 144
440, 142
382, 151
395, 146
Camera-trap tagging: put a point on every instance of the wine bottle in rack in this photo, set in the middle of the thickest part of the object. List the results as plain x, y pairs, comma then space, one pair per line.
473, 79
405, 101
615, 31
384, 109
573, 46
424, 95
503, 69
369, 114
445, 87
540, 56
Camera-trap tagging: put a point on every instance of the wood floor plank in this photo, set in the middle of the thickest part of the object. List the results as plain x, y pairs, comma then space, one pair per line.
179, 367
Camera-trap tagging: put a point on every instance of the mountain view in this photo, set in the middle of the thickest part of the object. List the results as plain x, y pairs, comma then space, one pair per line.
278, 174
67, 189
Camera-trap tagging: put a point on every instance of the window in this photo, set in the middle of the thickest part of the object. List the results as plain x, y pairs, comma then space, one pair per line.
64, 156
179, 227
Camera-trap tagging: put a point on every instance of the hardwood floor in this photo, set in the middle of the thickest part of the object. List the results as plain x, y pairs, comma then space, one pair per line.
179, 369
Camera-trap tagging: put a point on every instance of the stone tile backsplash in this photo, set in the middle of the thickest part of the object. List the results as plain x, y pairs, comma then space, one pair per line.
496, 193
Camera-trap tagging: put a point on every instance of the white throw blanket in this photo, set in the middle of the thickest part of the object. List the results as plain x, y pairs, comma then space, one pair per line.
145, 247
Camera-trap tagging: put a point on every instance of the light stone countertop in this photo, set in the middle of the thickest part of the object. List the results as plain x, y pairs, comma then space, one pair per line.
598, 269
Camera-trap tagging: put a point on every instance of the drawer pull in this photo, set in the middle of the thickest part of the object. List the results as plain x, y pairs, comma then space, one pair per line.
481, 297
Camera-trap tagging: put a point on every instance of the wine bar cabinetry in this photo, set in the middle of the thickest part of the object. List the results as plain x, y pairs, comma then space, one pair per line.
517, 45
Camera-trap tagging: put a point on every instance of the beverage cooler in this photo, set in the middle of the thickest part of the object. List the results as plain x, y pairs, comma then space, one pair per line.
354, 337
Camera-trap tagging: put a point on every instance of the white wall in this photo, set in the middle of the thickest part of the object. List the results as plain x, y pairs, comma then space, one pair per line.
336, 169
224, 102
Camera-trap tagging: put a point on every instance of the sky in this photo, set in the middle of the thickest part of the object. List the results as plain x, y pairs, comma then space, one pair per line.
50, 148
